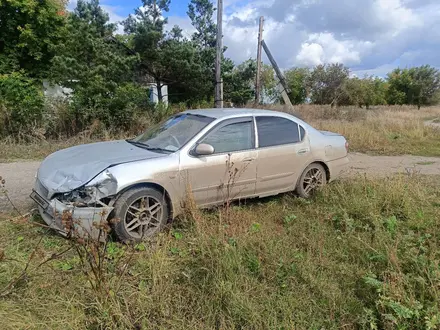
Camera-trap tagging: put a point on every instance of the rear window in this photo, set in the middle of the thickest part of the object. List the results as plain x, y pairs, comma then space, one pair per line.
275, 131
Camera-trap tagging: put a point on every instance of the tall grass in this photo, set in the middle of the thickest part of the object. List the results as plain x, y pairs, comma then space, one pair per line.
361, 254
393, 130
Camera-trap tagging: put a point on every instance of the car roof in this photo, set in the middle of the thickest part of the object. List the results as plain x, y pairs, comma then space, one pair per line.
234, 112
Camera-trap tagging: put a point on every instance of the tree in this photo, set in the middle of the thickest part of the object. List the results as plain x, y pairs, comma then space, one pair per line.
425, 85
29, 30
367, 91
296, 79
165, 57
399, 81
201, 13
269, 90
239, 83
21, 105
326, 83
91, 62
89, 52
418, 86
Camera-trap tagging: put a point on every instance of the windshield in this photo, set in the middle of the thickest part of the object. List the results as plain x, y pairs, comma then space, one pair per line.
174, 133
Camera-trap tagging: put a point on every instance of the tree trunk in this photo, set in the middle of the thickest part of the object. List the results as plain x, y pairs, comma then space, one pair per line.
159, 91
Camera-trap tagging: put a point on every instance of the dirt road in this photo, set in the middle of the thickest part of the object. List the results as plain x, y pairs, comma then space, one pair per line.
19, 176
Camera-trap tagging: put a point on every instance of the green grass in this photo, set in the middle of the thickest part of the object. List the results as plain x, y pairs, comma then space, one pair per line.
362, 254
425, 163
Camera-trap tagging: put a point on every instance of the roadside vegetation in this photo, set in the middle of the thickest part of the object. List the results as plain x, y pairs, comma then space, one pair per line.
364, 253
384, 130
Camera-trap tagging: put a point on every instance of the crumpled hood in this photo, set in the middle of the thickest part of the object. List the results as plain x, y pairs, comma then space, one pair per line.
70, 168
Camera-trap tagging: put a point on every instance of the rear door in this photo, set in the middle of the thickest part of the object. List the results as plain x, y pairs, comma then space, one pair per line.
231, 172
283, 152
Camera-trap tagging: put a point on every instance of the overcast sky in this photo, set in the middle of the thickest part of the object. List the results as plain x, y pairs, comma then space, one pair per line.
369, 36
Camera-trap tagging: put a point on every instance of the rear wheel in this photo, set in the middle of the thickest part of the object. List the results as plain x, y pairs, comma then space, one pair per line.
142, 213
313, 178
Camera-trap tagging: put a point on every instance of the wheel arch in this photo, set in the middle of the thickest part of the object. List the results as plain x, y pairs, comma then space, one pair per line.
320, 162
326, 168
153, 185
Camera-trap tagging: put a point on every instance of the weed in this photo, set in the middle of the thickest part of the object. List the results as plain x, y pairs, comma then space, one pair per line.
363, 253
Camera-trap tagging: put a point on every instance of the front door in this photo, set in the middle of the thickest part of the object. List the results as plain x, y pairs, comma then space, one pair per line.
229, 173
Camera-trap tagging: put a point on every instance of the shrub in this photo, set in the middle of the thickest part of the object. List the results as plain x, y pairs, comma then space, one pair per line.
114, 108
21, 105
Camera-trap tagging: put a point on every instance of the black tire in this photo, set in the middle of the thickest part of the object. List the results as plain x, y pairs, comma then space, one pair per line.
138, 214
307, 186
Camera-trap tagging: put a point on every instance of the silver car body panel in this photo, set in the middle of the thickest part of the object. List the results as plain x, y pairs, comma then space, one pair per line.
70, 168
258, 172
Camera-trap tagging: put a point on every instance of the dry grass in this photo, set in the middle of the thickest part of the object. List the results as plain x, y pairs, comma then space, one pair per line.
12, 151
395, 130
384, 130
362, 254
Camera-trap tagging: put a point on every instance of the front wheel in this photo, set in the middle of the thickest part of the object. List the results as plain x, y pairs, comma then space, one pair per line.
313, 178
142, 212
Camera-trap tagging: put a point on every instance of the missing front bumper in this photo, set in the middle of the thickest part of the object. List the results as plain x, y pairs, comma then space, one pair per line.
68, 220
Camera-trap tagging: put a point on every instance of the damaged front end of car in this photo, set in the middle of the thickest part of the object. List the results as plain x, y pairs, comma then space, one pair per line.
82, 212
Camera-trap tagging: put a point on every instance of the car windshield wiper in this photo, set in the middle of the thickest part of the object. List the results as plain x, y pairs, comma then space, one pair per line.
147, 147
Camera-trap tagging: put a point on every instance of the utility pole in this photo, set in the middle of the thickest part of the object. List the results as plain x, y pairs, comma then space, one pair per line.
218, 60
258, 80
283, 88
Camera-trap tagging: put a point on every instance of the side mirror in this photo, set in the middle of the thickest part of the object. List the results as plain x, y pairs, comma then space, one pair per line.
204, 149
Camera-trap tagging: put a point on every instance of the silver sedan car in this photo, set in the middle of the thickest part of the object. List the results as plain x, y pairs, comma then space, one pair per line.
212, 155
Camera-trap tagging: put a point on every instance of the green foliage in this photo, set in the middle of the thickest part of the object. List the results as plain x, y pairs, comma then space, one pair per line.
21, 104
29, 31
116, 108
98, 68
367, 91
268, 83
88, 61
418, 86
205, 275
326, 83
239, 83
297, 79
166, 58
201, 13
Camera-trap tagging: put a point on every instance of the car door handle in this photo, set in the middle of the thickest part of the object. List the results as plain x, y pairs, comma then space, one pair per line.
303, 151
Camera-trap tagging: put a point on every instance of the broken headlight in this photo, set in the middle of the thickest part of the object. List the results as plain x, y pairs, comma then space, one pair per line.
103, 185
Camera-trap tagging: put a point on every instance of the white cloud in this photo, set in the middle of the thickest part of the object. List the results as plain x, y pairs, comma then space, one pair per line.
324, 48
310, 54
370, 36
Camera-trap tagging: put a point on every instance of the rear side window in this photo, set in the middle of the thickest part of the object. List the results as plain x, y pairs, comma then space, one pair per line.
275, 131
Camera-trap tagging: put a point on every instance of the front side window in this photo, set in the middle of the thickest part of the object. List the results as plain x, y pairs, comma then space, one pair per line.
173, 133
275, 131
231, 137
